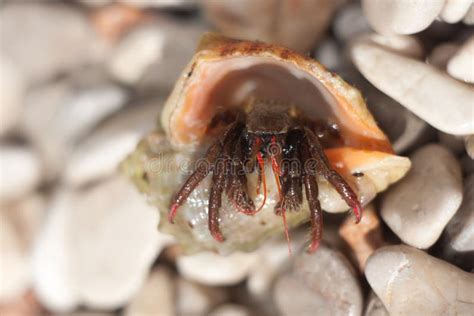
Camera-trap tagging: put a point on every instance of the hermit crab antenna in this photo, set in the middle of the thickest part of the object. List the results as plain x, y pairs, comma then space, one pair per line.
261, 165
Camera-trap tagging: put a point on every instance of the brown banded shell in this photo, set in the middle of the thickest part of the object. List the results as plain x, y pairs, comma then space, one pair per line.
222, 74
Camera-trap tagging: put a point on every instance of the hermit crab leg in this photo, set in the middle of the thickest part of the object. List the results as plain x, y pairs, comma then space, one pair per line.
221, 170
237, 190
201, 171
311, 190
323, 167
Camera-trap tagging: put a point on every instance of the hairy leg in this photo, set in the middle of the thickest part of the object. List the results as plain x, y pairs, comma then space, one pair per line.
311, 190
323, 167
202, 170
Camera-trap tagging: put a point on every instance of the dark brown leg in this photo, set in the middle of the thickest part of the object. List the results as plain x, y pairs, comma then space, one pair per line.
201, 171
323, 167
311, 190
237, 190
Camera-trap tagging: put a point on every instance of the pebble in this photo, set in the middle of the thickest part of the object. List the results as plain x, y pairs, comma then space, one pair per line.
374, 306
12, 89
295, 25
96, 247
411, 282
150, 57
20, 172
440, 100
401, 16
195, 299
419, 206
60, 36
230, 310
459, 233
441, 54
405, 45
460, 66
453, 142
177, 4
59, 114
322, 283
455, 10
363, 238
156, 296
213, 269
469, 144
469, 17
101, 152
329, 54
350, 22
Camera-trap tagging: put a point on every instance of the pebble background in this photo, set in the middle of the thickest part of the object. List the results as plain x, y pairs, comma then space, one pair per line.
81, 81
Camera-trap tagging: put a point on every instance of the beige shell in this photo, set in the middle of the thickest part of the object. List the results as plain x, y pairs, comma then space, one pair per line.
223, 73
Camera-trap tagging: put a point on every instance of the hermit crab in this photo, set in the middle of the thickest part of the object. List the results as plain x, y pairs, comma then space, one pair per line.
254, 135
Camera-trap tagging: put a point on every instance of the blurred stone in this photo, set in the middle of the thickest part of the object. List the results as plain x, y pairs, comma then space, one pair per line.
328, 54
96, 3
100, 153
440, 100
230, 310
469, 144
156, 296
213, 269
177, 4
12, 88
350, 22
363, 238
411, 282
459, 233
322, 283
114, 20
453, 142
26, 305
374, 306
461, 65
96, 247
196, 299
405, 45
297, 25
153, 54
20, 172
441, 54
418, 207
58, 115
469, 17
55, 38
401, 16
455, 10
467, 164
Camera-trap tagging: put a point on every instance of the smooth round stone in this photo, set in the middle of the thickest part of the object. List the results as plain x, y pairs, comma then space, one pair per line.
155, 297
402, 44
469, 144
12, 87
101, 152
323, 283
55, 38
213, 269
196, 299
453, 142
231, 310
418, 207
441, 54
411, 282
455, 10
96, 247
374, 306
469, 17
461, 65
401, 16
58, 115
20, 172
459, 233
437, 98
350, 22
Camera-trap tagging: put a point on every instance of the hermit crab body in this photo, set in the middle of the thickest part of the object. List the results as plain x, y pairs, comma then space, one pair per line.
256, 108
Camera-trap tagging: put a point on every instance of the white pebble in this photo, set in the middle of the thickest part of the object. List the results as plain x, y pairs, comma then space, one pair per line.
461, 65
390, 17
440, 100
411, 282
419, 206
12, 88
20, 172
455, 10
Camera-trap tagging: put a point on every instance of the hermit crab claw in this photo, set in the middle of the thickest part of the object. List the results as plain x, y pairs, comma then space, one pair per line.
211, 92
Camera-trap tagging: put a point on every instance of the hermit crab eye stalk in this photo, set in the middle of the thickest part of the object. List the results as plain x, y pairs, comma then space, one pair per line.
279, 134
